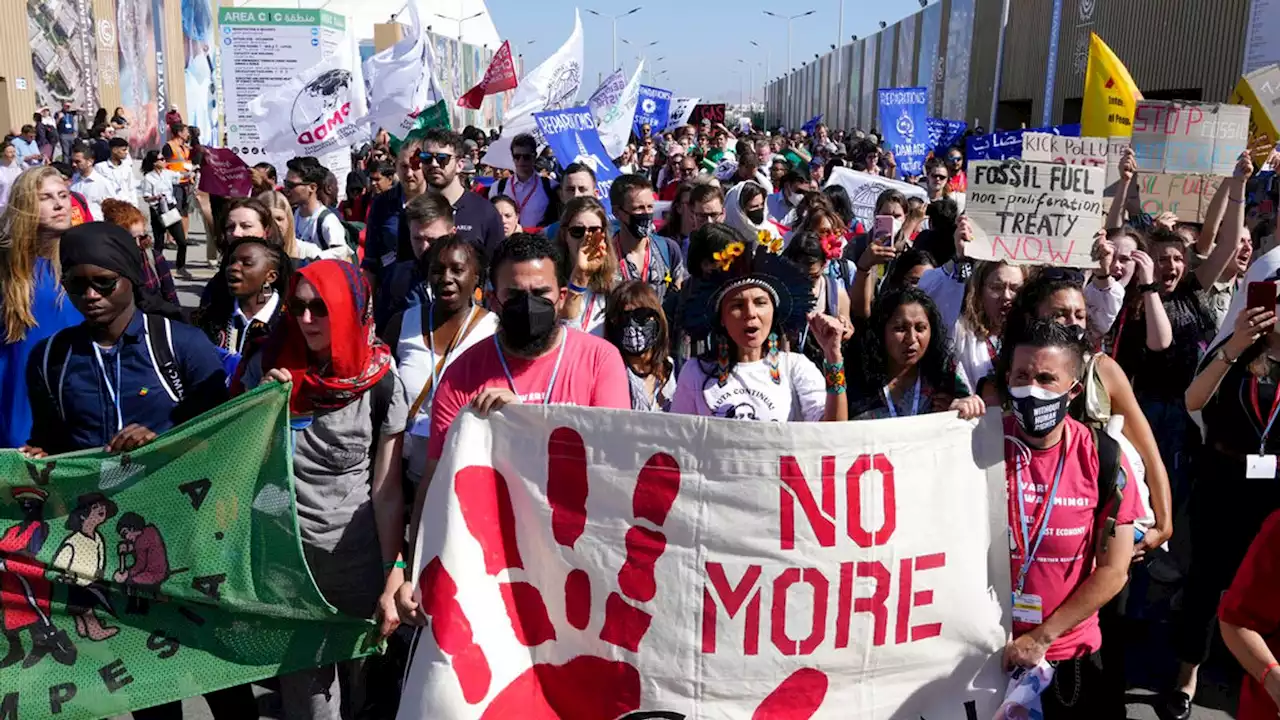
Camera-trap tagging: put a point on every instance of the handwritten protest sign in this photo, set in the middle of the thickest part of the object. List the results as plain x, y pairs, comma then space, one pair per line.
905, 119
1184, 194
1174, 136
1046, 147
572, 135
199, 582
1034, 213
1260, 91
578, 563
864, 189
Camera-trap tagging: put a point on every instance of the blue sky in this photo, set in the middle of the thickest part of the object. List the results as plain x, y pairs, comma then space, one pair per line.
701, 42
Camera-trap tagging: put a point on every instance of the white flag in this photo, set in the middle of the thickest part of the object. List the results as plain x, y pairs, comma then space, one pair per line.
401, 79
320, 110
553, 85
614, 108
681, 109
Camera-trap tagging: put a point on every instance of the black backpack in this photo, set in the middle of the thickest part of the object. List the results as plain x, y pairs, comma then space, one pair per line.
159, 346
1112, 482
352, 230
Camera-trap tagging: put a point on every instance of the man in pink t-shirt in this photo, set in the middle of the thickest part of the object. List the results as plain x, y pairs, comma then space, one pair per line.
1070, 548
531, 359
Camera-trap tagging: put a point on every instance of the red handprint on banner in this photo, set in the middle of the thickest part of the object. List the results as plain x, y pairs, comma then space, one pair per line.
585, 687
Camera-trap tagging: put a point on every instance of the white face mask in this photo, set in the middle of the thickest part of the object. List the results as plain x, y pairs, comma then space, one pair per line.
795, 199
897, 226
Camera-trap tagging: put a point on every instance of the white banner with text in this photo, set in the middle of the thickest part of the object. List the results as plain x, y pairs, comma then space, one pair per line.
576, 563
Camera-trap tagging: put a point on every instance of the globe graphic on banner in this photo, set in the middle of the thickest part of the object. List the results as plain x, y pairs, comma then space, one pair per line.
905, 127
319, 100
650, 106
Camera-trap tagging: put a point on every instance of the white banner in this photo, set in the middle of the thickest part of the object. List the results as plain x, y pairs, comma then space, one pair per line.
865, 188
553, 85
401, 79
578, 563
613, 106
320, 110
681, 109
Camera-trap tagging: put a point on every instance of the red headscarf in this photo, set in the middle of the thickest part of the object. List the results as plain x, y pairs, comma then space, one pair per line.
358, 358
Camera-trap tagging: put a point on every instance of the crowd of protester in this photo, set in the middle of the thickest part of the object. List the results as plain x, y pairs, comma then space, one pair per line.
721, 279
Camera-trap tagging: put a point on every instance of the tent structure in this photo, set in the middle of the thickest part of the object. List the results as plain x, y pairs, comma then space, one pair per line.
477, 26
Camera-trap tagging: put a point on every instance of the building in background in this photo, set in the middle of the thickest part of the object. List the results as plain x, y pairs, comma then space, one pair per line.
1192, 49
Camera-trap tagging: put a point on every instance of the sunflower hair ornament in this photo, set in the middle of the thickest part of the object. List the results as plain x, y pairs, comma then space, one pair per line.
770, 242
787, 285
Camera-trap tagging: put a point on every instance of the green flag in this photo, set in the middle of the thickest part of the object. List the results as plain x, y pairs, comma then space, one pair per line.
131, 580
435, 116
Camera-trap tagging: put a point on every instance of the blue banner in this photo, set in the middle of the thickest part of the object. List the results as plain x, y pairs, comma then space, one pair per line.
812, 126
904, 117
1008, 143
653, 107
572, 135
945, 133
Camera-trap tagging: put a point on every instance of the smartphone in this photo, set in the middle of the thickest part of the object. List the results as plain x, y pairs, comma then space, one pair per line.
1262, 294
883, 230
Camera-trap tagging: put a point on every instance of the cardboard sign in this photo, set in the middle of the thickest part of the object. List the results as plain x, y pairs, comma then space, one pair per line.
591, 564
864, 189
1030, 213
1046, 147
713, 113
1174, 136
1184, 194
1260, 91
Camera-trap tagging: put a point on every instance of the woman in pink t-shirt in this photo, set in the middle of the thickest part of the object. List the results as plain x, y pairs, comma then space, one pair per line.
1071, 531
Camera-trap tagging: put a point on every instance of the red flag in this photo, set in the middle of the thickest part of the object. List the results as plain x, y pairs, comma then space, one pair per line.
500, 76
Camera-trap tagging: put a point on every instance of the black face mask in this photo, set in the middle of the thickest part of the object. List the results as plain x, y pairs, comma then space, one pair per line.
640, 225
636, 332
527, 323
1038, 411
756, 216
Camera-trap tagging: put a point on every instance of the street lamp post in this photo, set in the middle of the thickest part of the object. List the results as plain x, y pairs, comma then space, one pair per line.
789, 20
459, 20
751, 68
767, 52
643, 48
615, 19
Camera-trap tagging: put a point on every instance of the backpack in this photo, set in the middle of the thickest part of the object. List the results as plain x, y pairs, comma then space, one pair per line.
1111, 485
159, 341
383, 394
352, 229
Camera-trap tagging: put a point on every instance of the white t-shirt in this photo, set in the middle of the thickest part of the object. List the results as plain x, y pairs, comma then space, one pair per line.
751, 394
974, 357
330, 236
95, 189
944, 286
530, 197
590, 319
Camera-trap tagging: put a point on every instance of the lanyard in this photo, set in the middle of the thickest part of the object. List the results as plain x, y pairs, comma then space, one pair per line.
590, 309
112, 390
993, 349
533, 187
915, 402
453, 344
546, 399
1275, 410
1028, 547
623, 265
1115, 342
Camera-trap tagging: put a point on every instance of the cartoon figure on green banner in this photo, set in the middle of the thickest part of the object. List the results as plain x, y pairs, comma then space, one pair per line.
82, 558
150, 565
25, 594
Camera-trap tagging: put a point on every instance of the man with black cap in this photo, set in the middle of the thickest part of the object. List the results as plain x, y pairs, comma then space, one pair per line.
128, 372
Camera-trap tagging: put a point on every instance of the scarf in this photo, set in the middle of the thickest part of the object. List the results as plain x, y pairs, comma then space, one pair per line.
358, 359
111, 247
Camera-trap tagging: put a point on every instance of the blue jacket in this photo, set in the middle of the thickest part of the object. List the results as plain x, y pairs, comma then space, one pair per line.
53, 311
83, 398
382, 233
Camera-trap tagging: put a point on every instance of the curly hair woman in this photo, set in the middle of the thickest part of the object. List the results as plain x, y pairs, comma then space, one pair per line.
906, 366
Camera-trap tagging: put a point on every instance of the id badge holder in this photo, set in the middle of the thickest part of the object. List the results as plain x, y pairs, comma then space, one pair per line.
1028, 608
1260, 467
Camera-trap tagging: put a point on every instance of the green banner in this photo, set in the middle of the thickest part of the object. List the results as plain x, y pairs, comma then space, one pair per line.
131, 580
435, 116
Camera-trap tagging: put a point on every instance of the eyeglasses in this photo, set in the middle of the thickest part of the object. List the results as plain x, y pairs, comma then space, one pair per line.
939, 178
522, 156
426, 158
577, 232
78, 286
317, 307
710, 217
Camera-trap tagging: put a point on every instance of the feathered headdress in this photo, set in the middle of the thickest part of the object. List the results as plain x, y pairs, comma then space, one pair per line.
739, 266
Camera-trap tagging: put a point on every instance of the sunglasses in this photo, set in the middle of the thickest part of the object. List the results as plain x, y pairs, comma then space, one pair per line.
426, 158
938, 177
317, 307
954, 158
577, 232
521, 156
78, 286
289, 185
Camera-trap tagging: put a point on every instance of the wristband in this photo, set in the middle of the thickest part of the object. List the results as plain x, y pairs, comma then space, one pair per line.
1262, 679
1149, 287
1233, 200
577, 289
397, 565
834, 375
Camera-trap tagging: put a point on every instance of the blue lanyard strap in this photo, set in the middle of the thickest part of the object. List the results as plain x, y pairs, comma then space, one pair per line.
112, 390
915, 400
1029, 548
546, 399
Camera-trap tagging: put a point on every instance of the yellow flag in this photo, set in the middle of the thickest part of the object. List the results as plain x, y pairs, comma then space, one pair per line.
1260, 90
1110, 94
